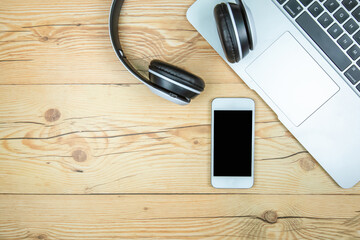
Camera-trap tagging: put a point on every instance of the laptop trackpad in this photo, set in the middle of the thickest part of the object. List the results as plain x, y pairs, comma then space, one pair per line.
292, 79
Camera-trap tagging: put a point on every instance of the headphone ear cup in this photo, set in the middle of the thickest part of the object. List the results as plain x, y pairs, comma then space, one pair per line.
234, 30
175, 80
226, 33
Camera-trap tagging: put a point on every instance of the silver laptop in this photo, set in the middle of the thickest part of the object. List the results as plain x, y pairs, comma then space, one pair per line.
306, 66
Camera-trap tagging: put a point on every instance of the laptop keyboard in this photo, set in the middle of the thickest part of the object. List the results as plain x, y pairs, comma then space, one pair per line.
334, 26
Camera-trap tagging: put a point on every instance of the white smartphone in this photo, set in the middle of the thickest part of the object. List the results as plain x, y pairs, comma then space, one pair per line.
232, 142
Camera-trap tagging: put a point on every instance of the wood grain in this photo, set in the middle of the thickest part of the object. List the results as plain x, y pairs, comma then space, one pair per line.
179, 217
87, 152
48, 34
99, 139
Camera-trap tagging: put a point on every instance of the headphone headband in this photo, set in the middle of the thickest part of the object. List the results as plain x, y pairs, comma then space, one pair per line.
115, 41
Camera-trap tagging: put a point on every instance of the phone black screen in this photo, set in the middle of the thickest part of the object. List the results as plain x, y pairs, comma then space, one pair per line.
232, 143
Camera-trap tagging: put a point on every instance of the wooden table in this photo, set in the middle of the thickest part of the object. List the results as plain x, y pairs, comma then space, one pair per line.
87, 152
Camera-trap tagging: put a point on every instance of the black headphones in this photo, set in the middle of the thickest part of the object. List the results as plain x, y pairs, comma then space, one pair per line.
176, 84
234, 30
165, 80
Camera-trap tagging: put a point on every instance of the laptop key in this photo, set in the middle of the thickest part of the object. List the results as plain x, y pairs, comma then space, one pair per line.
356, 14
345, 41
353, 74
281, 1
293, 8
358, 87
356, 37
358, 63
315, 9
331, 5
351, 26
325, 20
335, 30
349, 4
325, 43
354, 52
341, 15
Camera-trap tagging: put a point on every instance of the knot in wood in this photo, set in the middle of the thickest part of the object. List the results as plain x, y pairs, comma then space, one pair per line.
307, 163
44, 38
270, 216
52, 115
42, 236
79, 155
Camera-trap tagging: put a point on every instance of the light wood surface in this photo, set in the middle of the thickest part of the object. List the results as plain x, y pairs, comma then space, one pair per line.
87, 152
